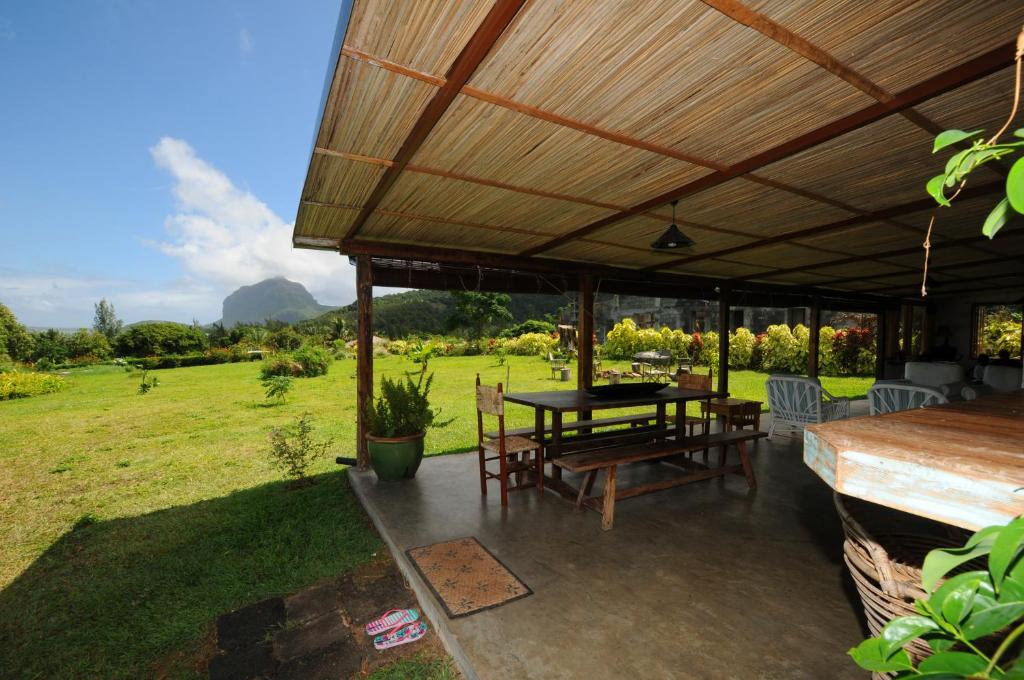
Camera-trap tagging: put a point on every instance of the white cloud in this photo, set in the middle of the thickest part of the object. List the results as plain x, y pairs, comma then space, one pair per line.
246, 42
227, 237
66, 300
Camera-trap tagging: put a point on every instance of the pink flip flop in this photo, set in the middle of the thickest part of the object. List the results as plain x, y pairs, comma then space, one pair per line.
410, 632
391, 619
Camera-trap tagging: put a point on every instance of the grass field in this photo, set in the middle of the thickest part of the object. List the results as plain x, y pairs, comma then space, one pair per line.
128, 522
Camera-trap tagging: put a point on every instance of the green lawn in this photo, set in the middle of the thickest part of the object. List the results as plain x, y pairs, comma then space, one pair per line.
128, 522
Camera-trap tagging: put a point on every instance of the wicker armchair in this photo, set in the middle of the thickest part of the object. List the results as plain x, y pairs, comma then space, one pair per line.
885, 397
796, 401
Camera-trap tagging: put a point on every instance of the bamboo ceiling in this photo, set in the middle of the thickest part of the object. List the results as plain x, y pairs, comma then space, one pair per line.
796, 135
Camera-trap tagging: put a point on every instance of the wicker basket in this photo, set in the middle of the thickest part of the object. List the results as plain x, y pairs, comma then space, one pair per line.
884, 554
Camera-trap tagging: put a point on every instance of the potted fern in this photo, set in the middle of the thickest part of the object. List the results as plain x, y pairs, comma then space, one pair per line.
396, 425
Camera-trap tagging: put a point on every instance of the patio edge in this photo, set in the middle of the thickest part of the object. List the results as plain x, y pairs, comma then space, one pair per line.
430, 607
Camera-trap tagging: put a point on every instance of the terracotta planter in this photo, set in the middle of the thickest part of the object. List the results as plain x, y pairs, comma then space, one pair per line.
395, 458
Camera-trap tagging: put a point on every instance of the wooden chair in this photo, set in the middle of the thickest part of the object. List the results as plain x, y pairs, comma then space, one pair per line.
511, 451
556, 365
695, 381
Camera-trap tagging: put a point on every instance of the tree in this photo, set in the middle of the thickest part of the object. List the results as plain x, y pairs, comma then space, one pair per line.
106, 321
479, 312
15, 340
160, 338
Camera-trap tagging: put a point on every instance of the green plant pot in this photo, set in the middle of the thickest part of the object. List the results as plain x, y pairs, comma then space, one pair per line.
395, 458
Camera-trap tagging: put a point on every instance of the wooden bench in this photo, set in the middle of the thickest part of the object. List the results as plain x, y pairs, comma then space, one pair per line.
592, 462
632, 421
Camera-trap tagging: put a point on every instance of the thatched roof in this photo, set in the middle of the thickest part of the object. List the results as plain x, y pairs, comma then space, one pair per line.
796, 136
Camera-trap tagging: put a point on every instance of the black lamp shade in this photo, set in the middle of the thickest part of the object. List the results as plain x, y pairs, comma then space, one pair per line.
672, 239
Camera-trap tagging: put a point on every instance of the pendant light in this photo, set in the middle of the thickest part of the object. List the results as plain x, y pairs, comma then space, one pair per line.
673, 238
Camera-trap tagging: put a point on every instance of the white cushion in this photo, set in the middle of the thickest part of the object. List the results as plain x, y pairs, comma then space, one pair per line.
1002, 378
933, 373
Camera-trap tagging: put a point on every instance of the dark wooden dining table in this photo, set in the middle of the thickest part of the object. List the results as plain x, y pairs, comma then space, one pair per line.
560, 402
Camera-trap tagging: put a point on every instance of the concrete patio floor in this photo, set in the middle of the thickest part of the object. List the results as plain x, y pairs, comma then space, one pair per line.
706, 580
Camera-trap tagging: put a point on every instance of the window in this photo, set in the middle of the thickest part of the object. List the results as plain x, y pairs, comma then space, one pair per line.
995, 328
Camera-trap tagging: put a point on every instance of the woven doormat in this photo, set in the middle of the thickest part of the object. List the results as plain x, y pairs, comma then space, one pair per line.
466, 577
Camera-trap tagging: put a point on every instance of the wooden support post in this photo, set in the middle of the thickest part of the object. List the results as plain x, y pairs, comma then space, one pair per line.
882, 342
585, 333
364, 355
928, 330
723, 339
813, 337
908, 331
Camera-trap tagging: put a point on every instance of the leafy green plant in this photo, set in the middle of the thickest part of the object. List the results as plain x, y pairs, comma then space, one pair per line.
21, 384
980, 152
293, 448
959, 612
314, 360
146, 384
277, 387
403, 408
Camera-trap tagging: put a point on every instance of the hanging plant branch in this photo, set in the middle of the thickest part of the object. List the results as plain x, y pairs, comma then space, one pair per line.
980, 152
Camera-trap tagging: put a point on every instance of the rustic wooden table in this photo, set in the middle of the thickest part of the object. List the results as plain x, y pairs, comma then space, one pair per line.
729, 406
559, 402
961, 463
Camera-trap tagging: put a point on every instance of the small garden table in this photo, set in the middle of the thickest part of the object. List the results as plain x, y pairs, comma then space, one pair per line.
960, 463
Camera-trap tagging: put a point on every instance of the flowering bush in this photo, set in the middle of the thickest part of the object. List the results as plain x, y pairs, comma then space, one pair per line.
779, 350
400, 347
852, 348
530, 344
18, 384
741, 348
709, 351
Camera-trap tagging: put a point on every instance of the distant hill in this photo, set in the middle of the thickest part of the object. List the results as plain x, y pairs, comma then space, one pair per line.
425, 312
276, 298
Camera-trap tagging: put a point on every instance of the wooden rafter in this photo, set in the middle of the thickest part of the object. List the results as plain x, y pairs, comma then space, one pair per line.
772, 30
448, 174
461, 70
876, 216
951, 79
573, 124
938, 287
964, 241
945, 268
649, 280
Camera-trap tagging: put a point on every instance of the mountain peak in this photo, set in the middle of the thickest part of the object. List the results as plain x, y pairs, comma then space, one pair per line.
274, 298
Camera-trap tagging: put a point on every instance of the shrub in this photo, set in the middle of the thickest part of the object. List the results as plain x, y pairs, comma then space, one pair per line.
850, 347
314, 361
281, 364
85, 343
403, 407
21, 384
827, 364
159, 338
779, 350
278, 387
741, 348
399, 347
15, 340
709, 352
528, 326
147, 384
293, 448
531, 344
285, 339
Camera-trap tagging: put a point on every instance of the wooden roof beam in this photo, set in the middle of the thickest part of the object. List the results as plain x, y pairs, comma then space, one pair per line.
652, 280
772, 30
461, 70
951, 79
939, 245
876, 216
577, 125
944, 268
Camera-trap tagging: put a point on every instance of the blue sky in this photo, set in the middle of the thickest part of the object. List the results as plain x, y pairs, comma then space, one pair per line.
153, 153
